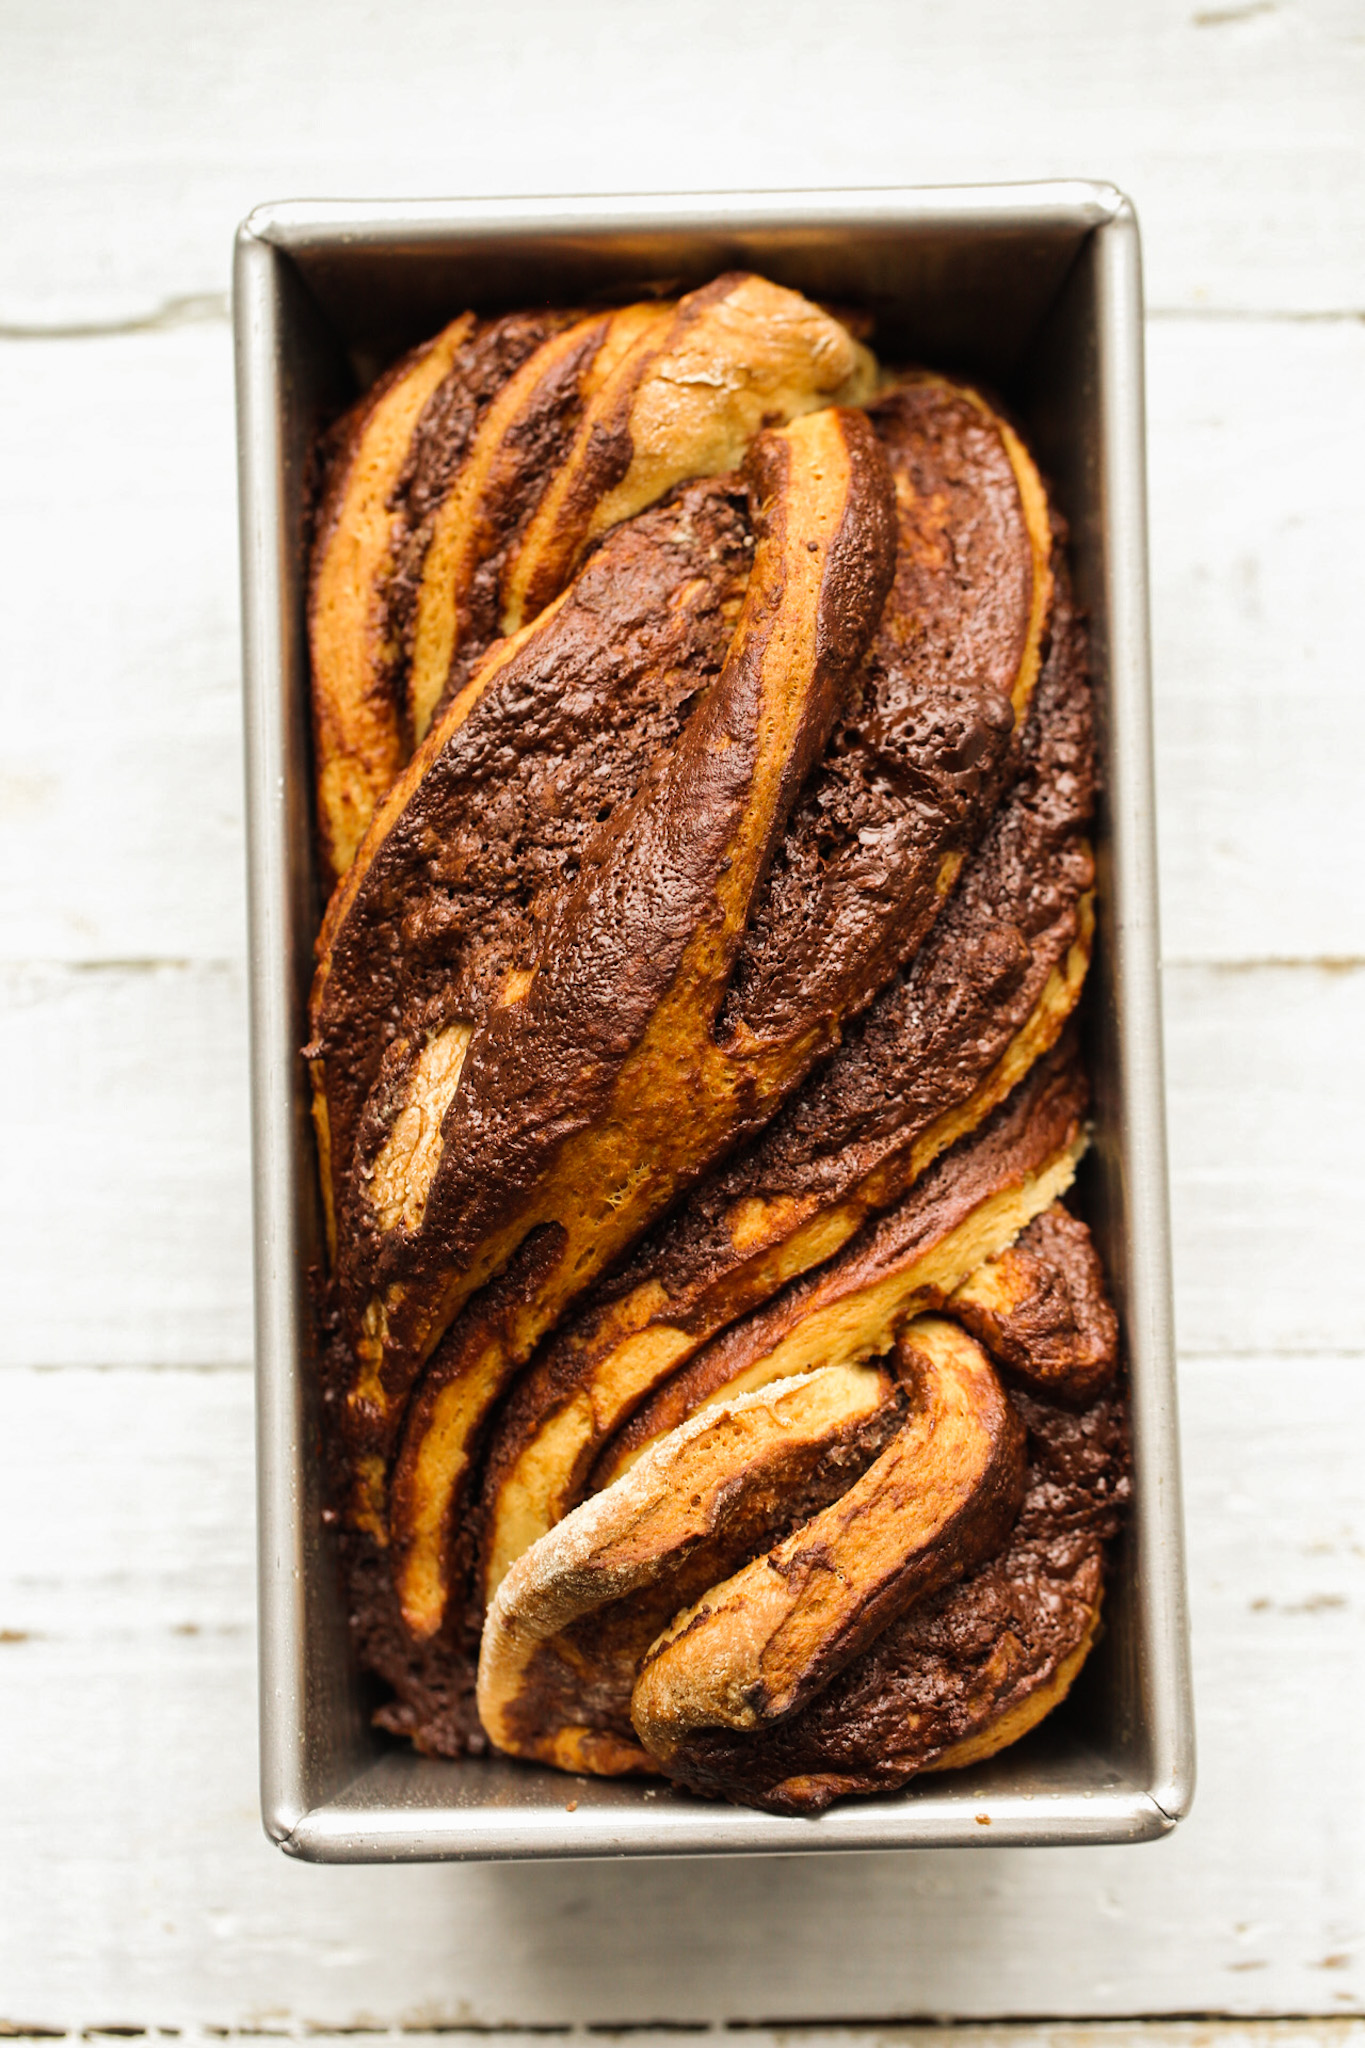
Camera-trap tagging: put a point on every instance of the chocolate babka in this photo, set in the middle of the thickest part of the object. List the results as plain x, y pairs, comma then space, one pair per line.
714, 1382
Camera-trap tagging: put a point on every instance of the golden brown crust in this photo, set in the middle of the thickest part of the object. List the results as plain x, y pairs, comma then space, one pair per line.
1041, 1311
916, 763
1006, 1725
561, 1141
519, 986
466, 487
987, 996
562, 1642
975, 572
555, 728
964, 1669
455, 565
968, 1207
357, 724
937, 1501
686, 392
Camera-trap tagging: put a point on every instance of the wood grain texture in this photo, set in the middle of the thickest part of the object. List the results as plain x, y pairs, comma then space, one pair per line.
138, 1889
1341, 2032
127, 115
1265, 1111
125, 1178
121, 774
1257, 452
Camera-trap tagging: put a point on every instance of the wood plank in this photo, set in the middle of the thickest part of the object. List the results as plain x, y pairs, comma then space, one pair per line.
125, 1187
1235, 126
121, 794
120, 805
1132, 2033
1257, 448
138, 1889
1265, 1109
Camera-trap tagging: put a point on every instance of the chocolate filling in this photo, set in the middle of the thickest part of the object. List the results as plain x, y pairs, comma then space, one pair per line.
453, 899
545, 814
959, 1660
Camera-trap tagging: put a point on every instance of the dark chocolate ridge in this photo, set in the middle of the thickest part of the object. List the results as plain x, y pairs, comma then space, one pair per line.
917, 762
933, 1035
444, 434
1042, 1116
341, 732
1058, 1337
434, 1681
541, 1072
608, 455
927, 1683
335, 452
1048, 804
584, 1676
971, 1534
453, 898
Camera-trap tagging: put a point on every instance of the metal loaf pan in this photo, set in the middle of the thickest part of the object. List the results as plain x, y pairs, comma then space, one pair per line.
1037, 290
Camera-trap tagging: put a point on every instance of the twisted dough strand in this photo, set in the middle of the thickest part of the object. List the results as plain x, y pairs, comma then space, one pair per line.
498, 1107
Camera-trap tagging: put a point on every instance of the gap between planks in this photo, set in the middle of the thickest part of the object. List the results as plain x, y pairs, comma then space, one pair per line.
1198, 2030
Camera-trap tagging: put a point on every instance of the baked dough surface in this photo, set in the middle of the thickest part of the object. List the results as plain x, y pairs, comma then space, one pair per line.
705, 755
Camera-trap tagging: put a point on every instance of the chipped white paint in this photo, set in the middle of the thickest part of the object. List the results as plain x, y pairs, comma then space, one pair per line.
135, 1888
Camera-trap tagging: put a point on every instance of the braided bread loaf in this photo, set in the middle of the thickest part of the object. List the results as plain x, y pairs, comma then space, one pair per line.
704, 753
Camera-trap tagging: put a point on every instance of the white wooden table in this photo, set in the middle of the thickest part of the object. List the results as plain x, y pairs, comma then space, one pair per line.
136, 1889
